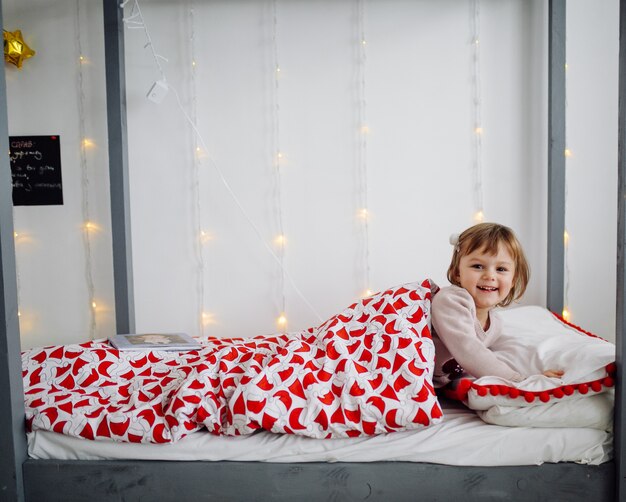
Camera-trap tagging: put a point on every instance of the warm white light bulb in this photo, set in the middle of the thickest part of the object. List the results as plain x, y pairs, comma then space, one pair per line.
479, 216
365, 129
87, 143
364, 213
207, 318
367, 292
478, 130
200, 153
566, 314
205, 236
568, 152
566, 237
282, 320
94, 305
280, 240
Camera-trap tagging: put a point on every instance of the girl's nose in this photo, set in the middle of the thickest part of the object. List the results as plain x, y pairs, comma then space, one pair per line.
488, 274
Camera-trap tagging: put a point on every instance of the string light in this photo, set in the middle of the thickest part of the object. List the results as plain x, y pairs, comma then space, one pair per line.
477, 167
362, 166
85, 144
204, 319
280, 239
18, 281
90, 226
567, 153
207, 318
566, 314
282, 321
205, 236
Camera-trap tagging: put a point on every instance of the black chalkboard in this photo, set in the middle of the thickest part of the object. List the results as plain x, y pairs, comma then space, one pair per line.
36, 170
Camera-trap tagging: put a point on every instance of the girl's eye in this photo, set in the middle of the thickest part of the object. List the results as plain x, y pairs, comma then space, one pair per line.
477, 266
502, 269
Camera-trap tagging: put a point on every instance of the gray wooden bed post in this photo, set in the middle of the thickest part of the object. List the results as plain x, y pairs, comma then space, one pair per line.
556, 155
620, 334
118, 166
12, 435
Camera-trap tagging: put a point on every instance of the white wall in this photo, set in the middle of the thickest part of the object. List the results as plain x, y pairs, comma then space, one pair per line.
591, 215
44, 99
420, 152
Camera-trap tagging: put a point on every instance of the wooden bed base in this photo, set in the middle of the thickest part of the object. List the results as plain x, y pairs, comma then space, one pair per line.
50, 480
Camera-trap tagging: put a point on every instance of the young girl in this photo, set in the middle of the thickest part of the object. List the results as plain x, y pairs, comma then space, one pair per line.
488, 269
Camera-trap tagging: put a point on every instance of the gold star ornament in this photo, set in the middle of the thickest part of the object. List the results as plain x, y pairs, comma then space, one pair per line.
15, 49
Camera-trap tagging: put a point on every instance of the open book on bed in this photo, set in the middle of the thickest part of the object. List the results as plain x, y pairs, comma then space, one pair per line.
154, 341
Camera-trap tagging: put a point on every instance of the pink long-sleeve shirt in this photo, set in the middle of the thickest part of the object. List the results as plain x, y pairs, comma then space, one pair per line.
459, 335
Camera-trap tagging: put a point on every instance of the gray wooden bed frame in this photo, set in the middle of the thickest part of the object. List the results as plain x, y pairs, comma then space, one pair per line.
22, 478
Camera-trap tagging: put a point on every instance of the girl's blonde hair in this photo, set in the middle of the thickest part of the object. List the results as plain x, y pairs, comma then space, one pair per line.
488, 236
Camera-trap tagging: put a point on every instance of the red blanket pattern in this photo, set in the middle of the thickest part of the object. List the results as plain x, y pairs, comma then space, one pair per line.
364, 371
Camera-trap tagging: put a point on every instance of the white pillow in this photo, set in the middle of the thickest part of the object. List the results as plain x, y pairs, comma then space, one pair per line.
595, 411
534, 340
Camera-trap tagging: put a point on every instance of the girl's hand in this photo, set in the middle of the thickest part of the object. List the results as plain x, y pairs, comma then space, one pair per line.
554, 373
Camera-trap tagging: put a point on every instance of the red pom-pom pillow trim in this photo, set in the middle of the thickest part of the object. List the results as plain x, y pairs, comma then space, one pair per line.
484, 395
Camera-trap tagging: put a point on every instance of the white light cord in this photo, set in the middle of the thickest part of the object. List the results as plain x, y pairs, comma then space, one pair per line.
566, 236
363, 132
138, 22
18, 281
198, 243
477, 167
87, 224
277, 158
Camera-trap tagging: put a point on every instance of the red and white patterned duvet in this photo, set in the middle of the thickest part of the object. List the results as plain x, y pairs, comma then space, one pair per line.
364, 371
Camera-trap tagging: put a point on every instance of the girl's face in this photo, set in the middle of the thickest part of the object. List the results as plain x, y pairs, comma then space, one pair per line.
487, 278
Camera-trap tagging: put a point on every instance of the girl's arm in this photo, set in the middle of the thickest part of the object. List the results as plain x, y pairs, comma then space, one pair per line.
454, 321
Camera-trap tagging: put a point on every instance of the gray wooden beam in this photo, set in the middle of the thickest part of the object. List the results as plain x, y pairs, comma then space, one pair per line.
12, 434
620, 325
118, 166
316, 481
556, 155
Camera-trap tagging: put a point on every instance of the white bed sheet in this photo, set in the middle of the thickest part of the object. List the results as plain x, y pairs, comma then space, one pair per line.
461, 439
